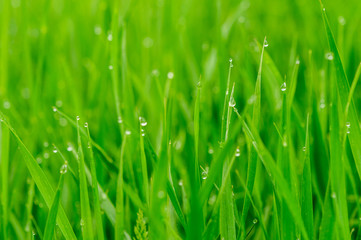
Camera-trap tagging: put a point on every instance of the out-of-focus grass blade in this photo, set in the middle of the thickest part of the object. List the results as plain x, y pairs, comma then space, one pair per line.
144, 165
344, 90
337, 174
282, 188
253, 157
119, 221
95, 190
328, 217
51, 220
226, 217
352, 89
41, 182
86, 217
173, 198
4, 165
306, 187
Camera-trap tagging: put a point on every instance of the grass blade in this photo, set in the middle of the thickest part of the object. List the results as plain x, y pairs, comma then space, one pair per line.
51, 220
86, 218
41, 182
95, 190
344, 90
4, 164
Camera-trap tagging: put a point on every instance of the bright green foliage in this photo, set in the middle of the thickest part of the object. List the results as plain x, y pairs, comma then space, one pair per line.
208, 119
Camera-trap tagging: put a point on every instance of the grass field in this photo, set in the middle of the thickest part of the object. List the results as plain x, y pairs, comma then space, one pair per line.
161, 119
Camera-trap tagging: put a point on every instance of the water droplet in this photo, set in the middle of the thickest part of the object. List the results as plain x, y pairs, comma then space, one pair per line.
86, 124
64, 168
284, 143
283, 87
77, 118
155, 72
110, 67
297, 61
161, 194
238, 153
110, 37
230, 60
46, 155
143, 134
127, 132
82, 223
63, 122
69, 148
97, 30
341, 20
180, 183
333, 195
210, 150
232, 102
147, 42
322, 103
46, 144
329, 56
265, 43
205, 173
59, 103
255, 221
170, 75
324, 9
304, 149
7, 104
55, 150
142, 121
348, 124
120, 120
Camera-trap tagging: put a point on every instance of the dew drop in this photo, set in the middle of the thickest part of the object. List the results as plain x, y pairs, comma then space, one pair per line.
69, 148
232, 102
77, 118
142, 121
304, 149
110, 37
161, 194
210, 151
110, 67
283, 87
46, 155
265, 43
230, 60
329, 56
86, 124
97, 30
64, 168
170, 75
55, 109
127, 132
297, 61
348, 124
255, 221
205, 173
180, 183
82, 223
120, 120
341, 20
333, 195
55, 150
238, 153
7, 104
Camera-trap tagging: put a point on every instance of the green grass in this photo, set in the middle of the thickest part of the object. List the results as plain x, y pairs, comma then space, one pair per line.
204, 119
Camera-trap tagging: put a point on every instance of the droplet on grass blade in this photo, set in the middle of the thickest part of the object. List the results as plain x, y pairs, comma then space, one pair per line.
232, 102
170, 75
7, 105
64, 168
238, 153
283, 87
265, 43
110, 37
142, 121
329, 56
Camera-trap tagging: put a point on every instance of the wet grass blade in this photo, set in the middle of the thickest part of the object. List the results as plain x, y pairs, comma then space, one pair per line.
253, 157
344, 90
86, 217
41, 182
51, 220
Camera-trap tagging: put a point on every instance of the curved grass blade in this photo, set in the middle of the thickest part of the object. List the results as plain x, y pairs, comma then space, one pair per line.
41, 182
253, 157
51, 220
344, 90
86, 218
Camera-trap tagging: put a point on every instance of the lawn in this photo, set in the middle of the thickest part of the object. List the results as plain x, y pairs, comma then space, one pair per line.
169, 119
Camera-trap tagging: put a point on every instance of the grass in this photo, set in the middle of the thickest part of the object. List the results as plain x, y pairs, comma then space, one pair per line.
201, 119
